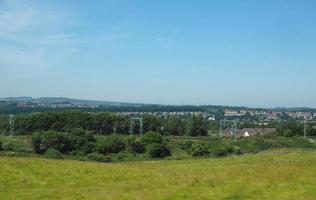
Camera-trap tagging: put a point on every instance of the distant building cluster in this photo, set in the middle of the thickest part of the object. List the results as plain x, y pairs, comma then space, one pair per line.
270, 115
169, 114
208, 112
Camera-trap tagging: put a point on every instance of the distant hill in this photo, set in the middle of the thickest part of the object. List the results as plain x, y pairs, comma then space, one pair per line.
114, 106
59, 100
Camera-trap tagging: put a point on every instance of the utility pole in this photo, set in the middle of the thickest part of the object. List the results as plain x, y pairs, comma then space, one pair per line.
131, 128
305, 129
11, 124
220, 128
235, 130
141, 131
306, 123
134, 121
223, 123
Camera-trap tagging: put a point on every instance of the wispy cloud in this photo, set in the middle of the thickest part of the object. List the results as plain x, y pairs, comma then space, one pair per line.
33, 36
24, 28
34, 39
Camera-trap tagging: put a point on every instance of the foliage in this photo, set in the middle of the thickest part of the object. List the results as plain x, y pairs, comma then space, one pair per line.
196, 126
51, 139
198, 149
174, 126
290, 128
158, 151
152, 123
252, 145
288, 133
134, 146
111, 144
186, 146
53, 154
12, 145
152, 137
80, 140
99, 157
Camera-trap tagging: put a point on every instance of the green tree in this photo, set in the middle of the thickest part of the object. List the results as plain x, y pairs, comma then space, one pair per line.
152, 137
152, 123
196, 126
174, 126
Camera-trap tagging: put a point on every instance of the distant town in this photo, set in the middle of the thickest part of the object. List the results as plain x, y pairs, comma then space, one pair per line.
17, 105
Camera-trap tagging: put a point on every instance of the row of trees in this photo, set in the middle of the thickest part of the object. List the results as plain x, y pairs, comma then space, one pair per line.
54, 144
13, 108
291, 128
108, 123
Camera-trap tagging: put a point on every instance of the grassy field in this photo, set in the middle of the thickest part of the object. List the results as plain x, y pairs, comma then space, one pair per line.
273, 174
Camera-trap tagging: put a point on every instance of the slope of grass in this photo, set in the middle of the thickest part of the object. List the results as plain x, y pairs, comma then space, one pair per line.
275, 174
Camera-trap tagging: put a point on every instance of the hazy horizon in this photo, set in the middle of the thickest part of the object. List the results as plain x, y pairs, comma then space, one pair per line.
164, 104
239, 53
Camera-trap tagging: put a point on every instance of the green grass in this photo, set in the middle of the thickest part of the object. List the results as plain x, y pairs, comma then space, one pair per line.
274, 174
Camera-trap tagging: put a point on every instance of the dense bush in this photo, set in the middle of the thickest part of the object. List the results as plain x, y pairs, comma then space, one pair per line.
198, 149
42, 141
288, 133
1, 145
89, 147
152, 137
14, 144
186, 146
135, 146
111, 144
290, 128
158, 151
196, 126
220, 152
80, 140
252, 145
99, 157
53, 154
295, 142
11, 145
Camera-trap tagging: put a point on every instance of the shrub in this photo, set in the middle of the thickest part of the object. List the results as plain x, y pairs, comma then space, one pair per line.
11, 145
80, 140
14, 144
136, 147
112, 144
288, 133
1, 145
186, 146
197, 149
123, 155
53, 154
158, 151
152, 137
253, 145
99, 157
220, 152
89, 147
77, 153
300, 143
42, 141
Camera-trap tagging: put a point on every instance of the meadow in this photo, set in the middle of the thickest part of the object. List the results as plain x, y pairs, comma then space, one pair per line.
272, 174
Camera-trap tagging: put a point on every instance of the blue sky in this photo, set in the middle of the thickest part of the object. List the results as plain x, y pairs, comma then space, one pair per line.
227, 52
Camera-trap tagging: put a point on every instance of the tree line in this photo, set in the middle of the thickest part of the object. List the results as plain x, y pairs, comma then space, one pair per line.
13, 108
106, 123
